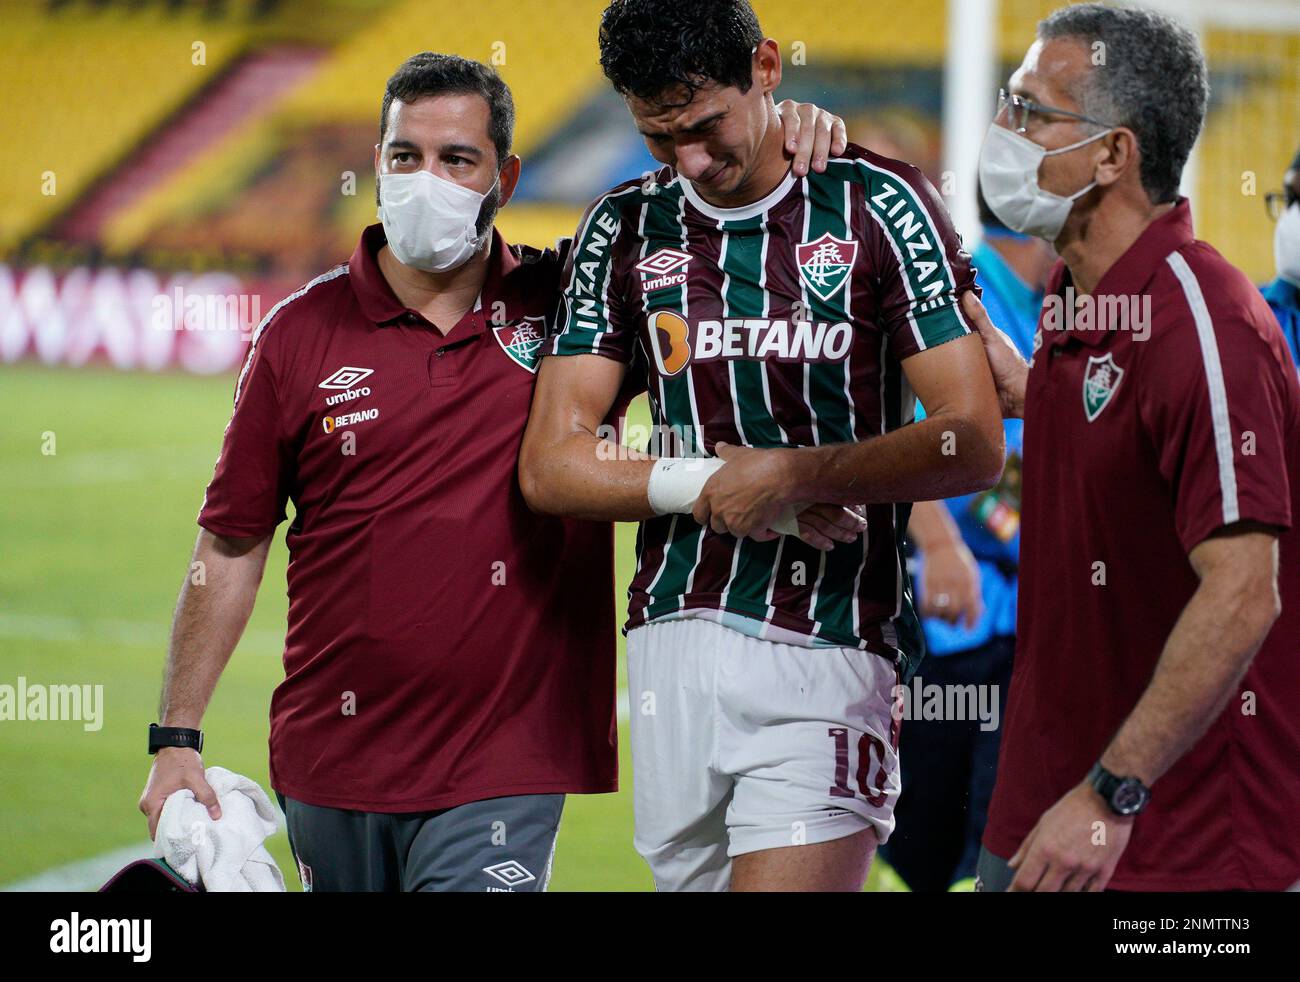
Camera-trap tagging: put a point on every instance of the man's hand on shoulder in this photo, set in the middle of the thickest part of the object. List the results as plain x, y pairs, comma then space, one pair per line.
812, 135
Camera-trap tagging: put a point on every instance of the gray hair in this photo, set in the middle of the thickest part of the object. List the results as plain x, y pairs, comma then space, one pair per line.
1152, 80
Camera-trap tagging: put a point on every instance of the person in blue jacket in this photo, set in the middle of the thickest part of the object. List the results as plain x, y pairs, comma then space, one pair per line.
964, 564
1283, 294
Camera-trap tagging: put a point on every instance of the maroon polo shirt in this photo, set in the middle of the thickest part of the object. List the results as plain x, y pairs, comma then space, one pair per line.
1135, 452
444, 644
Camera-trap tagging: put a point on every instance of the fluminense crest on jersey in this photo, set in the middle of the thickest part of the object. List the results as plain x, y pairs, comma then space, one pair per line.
522, 341
1100, 380
825, 264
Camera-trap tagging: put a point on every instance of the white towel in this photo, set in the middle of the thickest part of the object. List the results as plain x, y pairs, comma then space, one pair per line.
228, 855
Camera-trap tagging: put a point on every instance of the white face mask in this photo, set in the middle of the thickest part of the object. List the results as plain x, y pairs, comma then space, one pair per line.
1009, 166
431, 223
1286, 244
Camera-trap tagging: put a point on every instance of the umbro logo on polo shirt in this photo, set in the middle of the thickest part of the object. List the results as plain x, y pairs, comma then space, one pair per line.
346, 377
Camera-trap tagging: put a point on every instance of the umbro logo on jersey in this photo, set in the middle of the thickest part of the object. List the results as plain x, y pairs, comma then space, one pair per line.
665, 268
346, 377
825, 264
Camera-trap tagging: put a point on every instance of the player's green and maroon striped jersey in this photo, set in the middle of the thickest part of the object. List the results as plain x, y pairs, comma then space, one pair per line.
779, 324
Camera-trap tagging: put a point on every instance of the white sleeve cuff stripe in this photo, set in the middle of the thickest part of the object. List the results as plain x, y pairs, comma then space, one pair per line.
1214, 379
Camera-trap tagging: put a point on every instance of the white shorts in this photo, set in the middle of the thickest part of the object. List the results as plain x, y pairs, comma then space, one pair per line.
740, 744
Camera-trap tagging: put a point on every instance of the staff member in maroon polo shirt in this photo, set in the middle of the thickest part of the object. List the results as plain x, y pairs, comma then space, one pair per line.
449, 662
1152, 734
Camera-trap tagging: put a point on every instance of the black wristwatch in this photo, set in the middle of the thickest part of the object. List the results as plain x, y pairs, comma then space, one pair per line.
1124, 795
174, 736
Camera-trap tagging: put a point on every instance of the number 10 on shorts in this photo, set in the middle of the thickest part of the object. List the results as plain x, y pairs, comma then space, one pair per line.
866, 743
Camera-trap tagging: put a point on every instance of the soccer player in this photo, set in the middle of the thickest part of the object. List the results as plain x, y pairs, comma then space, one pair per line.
1153, 724
449, 664
780, 323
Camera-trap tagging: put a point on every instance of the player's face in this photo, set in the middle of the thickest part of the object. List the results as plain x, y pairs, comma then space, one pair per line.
713, 140
446, 135
1050, 72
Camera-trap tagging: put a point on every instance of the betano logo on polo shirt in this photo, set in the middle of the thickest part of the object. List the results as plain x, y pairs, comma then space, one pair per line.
332, 423
677, 342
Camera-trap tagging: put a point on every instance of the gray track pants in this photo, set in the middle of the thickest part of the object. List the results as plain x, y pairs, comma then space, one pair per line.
500, 844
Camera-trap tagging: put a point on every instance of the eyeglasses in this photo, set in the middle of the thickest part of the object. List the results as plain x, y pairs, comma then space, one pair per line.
1277, 202
1019, 109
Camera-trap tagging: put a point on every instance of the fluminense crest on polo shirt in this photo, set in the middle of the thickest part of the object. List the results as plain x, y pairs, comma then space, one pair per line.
1100, 380
825, 264
522, 341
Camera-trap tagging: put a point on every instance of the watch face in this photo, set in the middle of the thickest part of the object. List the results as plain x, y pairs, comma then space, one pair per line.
1130, 797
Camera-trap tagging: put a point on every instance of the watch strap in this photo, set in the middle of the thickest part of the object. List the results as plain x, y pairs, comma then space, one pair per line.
174, 736
1102, 781
1113, 788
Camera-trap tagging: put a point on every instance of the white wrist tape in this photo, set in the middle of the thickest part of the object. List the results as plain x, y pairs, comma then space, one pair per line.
675, 483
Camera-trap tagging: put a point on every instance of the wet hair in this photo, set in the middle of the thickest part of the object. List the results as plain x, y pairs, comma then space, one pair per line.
652, 49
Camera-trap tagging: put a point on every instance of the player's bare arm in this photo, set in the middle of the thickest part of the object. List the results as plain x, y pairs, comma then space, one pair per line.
567, 468
1207, 653
1199, 670
956, 449
210, 617
1009, 368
